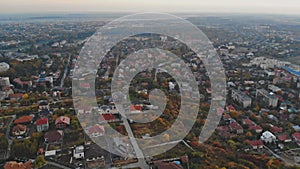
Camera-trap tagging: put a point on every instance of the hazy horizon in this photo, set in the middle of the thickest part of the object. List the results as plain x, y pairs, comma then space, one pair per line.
288, 7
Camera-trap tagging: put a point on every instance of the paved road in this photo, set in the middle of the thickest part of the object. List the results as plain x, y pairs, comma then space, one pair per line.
133, 165
65, 73
286, 160
141, 160
57, 165
8, 137
164, 144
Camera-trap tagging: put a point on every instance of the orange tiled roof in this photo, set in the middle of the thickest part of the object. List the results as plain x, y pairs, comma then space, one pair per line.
19, 127
16, 165
23, 119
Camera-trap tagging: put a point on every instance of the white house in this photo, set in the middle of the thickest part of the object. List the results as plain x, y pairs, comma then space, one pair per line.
268, 137
78, 152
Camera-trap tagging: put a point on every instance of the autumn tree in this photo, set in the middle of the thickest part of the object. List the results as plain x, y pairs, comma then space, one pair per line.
39, 161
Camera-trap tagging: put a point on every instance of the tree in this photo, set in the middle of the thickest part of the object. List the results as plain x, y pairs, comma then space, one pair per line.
235, 114
249, 135
25, 96
166, 137
75, 124
39, 161
3, 142
232, 144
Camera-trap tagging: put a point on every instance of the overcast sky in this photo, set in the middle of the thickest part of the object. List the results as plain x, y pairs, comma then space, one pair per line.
215, 6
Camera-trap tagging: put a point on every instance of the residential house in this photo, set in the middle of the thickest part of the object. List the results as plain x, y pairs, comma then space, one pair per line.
78, 152
22, 83
257, 144
45, 113
256, 128
222, 128
62, 122
94, 156
96, 130
248, 122
296, 128
230, 108
296, 137
84, 110
284, 138
42, 124
20, 130
107, 118
226, 117
44, 105
24, 120
53, 137
236, 128
223, 131
275, 129
17, 96
16, 165
5, 92
268, 137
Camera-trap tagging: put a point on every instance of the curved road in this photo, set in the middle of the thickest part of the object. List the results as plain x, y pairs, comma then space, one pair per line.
9, 140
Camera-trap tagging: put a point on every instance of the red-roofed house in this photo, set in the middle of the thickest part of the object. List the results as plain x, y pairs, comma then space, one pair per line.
223, 131
296, 137
53, 137
275, 129
107, 117
135, 108
15, 96
226, 116
62, 122
257, 128
284, 138
20, 130
256, 144
236, 127
224, 134
230, 108
24, 120
96, 130
16, 165
21, 83
248, 122
42, 124
222, 128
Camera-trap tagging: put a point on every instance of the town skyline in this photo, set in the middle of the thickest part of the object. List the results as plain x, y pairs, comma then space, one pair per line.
290, 7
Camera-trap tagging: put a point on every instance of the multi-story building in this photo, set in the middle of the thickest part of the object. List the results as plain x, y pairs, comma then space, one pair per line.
266, 97
4, 81
241, 98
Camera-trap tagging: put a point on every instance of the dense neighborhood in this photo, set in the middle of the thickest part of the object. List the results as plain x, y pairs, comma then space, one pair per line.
41, 128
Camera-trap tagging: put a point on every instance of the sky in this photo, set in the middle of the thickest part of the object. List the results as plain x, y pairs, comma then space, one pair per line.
195, 6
